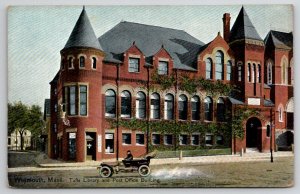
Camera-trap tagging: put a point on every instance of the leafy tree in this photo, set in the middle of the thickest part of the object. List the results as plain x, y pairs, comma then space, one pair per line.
22, 117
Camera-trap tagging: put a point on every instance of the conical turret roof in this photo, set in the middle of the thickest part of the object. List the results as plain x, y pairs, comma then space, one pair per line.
243, 28
83, 34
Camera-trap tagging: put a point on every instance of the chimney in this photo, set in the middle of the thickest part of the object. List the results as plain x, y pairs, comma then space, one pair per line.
226, 26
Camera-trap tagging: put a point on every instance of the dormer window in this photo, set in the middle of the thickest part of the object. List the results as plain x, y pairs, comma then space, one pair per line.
134, 65
81, 62
162, 68
94, 63
70, 63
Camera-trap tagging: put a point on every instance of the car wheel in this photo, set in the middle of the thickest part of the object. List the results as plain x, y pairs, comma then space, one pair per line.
105, 171
144, 170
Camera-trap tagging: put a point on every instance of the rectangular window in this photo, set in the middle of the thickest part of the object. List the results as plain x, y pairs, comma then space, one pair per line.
72, 100
126, 138
168, 139
83, 100
109, 143
219, 140
208, 140
162, 68
155, 139
183, 139
140, 140
134, 65
195, 140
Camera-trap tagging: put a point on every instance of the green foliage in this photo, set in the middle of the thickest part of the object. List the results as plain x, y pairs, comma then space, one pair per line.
187, 84
237, 122
164, 81
22, 117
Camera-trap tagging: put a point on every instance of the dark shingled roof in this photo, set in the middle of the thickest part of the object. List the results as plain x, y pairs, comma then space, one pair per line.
268, 102
235, 101
182, 47
83, 34
243, 28
280, 39
55, 79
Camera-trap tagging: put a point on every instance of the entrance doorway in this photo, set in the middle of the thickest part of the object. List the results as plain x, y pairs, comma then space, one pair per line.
90, 146
253, 128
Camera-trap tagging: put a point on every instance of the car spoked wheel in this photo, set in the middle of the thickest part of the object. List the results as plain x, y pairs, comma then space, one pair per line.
105, 171
144, 170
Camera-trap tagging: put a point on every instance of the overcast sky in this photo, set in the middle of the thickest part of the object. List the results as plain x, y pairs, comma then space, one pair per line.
36, 34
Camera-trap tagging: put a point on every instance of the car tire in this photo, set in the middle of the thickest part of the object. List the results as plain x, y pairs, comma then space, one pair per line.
144, 170
105, 172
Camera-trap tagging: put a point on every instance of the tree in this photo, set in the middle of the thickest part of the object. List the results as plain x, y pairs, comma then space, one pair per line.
22, 117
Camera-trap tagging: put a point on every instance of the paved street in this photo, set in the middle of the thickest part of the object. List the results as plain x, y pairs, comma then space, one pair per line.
260, 173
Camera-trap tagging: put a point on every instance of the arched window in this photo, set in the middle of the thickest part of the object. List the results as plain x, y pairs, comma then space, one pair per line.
208, 67
229, 70
258, 73
182, 107
269, 73
169, 107
94, 63
125, 104
70, 62
155, 106
253, 73
195, 102
141, 105
239, 72
208, 108
284, 71
249, 72
219, 65
81, 61
280, 113
110, 103
221, 111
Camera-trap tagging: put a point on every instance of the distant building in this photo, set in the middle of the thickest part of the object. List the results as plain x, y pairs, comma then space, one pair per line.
99, 81
14, 140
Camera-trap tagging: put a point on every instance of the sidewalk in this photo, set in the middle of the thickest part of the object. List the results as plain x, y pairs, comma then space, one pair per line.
44, 161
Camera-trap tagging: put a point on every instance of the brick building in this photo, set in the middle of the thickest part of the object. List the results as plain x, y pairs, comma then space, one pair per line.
100, 78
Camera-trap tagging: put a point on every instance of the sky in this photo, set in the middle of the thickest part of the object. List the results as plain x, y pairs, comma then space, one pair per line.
36, 34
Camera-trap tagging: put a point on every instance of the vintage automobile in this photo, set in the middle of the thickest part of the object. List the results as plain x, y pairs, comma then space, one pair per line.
107, 169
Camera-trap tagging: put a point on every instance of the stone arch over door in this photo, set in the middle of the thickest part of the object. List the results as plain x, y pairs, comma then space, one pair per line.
253, 133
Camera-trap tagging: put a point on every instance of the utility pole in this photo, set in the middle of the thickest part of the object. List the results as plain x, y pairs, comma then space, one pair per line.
148, 110
271, 138
117, 111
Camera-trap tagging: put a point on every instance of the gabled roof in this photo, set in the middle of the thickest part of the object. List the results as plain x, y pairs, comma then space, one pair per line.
281, 40
182, 47
83, 34
243, 28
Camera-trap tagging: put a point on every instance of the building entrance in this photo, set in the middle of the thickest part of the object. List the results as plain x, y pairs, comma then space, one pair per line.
90, 146
253, 127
